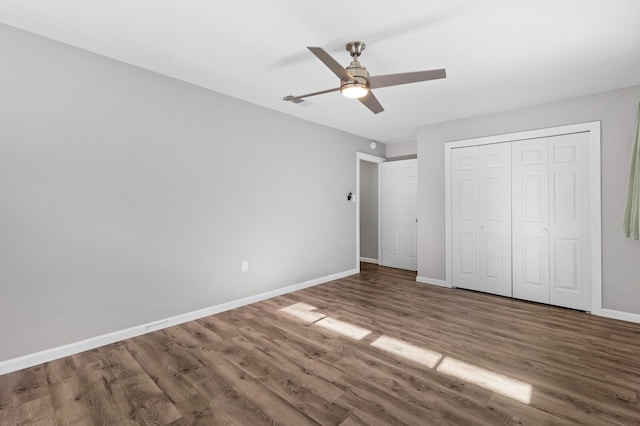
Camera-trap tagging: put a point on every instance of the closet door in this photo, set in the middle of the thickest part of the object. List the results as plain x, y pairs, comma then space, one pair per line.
481, 218
495, 219
551, 220
569, 221
520, 215
530, 210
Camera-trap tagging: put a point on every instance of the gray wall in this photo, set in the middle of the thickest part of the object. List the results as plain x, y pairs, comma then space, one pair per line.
402, 149
127, 197
368, 210
616, 110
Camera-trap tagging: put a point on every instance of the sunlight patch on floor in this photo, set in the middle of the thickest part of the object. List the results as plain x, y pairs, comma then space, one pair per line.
408, 351
344, 328
504, 385
495, 382
303, 312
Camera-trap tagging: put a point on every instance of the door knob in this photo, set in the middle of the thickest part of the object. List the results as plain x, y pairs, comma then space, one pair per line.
544, 230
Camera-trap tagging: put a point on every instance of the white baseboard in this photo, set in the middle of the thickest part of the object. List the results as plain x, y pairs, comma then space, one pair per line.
432, 281
369, 260
47, 355
619, 315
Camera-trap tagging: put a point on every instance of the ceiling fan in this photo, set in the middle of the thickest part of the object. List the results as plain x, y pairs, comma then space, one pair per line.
355, 81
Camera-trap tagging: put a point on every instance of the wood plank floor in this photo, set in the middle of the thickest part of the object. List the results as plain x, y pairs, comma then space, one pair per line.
258, 365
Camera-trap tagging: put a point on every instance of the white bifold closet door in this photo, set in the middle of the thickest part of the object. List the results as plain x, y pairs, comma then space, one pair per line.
481, 218
551, 220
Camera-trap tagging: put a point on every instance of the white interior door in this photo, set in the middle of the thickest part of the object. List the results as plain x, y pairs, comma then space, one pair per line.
530, 220
569, 221
495, 219
399, 230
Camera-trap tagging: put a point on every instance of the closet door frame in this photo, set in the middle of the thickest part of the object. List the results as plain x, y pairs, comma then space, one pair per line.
595, 194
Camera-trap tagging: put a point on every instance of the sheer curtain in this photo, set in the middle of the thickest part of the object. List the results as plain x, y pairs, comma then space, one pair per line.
631, 221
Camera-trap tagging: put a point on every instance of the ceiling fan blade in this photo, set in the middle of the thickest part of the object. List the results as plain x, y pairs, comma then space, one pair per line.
378, 81
371, 102
331, 63
308, 95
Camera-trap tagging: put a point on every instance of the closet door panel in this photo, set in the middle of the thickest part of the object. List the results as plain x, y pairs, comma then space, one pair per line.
465, 217
569, 227
530, 210
495, 219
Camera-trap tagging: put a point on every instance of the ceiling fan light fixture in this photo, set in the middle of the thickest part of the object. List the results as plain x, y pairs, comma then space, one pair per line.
354, 90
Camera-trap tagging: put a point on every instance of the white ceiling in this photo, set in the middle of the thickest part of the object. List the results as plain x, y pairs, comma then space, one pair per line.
499, 54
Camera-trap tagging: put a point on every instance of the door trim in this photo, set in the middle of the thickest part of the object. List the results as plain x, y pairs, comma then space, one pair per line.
370, 159
593, 128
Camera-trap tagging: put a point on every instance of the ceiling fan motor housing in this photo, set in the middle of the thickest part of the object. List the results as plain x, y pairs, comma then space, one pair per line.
358, 72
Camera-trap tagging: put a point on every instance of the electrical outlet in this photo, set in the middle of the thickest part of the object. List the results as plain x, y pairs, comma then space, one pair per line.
245, 266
